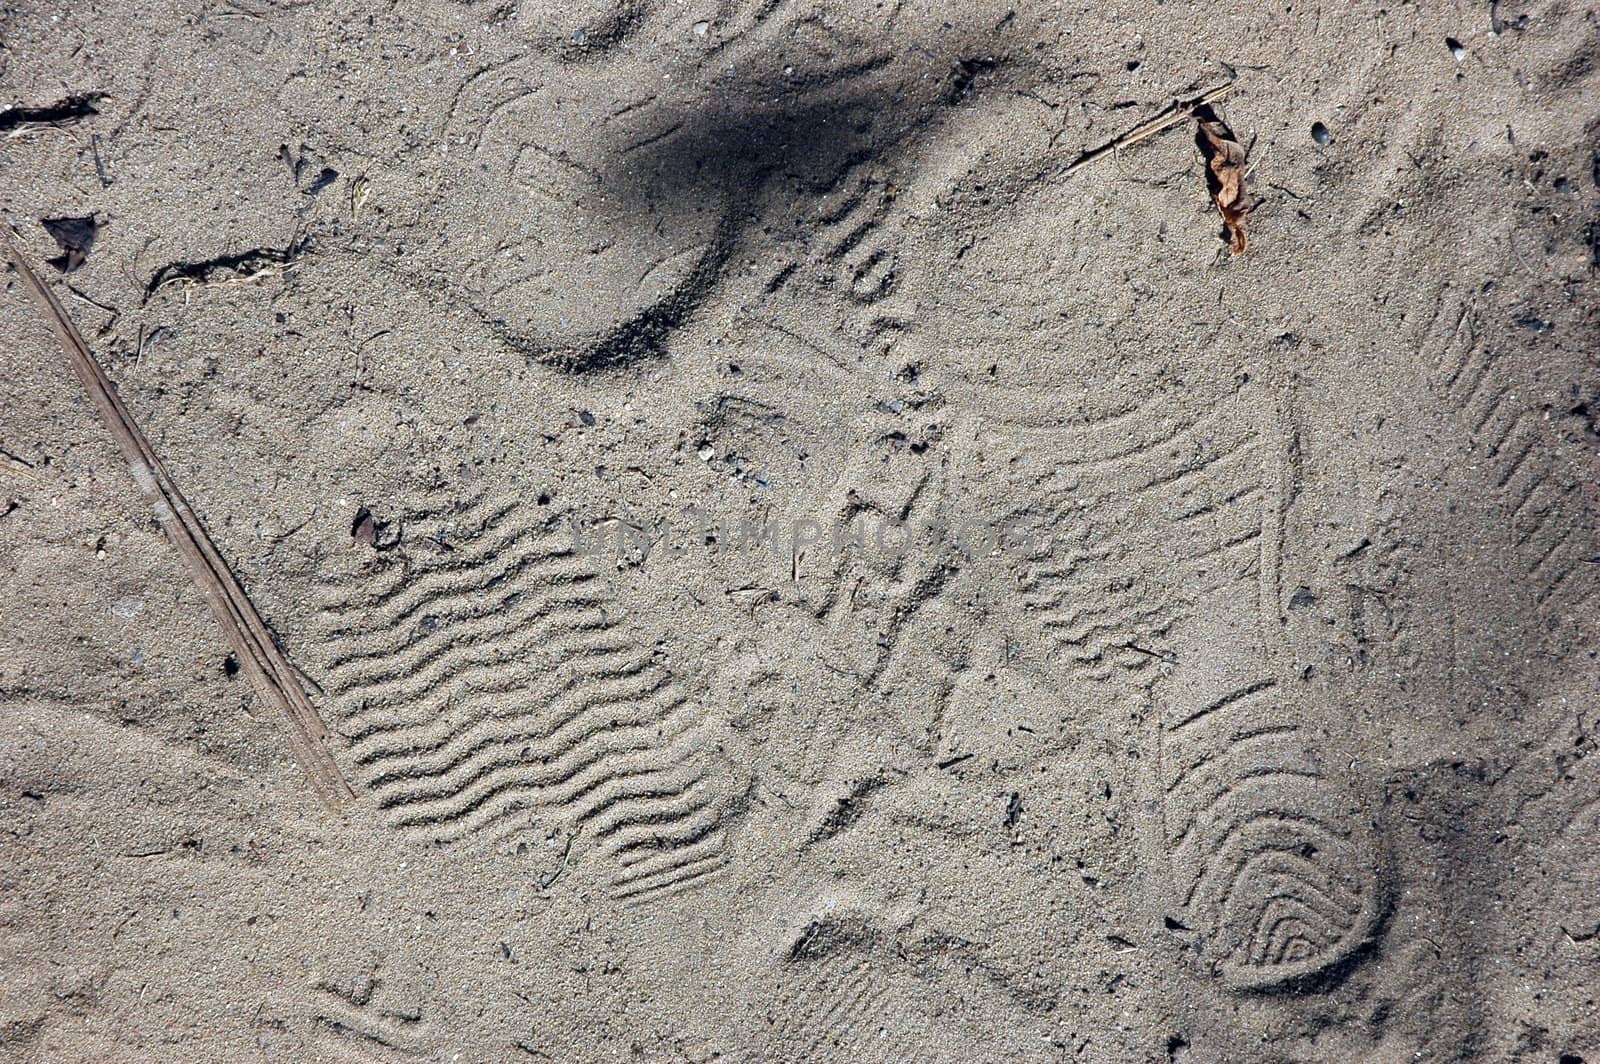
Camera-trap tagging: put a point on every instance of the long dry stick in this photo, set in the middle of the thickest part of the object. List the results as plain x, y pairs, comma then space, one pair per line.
1174, 113
269, 668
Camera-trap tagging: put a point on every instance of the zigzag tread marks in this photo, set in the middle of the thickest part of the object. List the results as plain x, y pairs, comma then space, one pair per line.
648, 695
657, 710
591, 788
662, 856
477, 656
643, 841
489, 609
689, 868
464, 570
378, 724
374, 580
484, 677
555, 760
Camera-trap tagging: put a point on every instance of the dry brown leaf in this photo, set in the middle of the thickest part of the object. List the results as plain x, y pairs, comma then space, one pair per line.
1225, 166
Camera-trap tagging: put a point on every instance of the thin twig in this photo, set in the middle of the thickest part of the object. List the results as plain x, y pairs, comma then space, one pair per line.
99, 164
1176, 112
10, 463
270, 670
547, 883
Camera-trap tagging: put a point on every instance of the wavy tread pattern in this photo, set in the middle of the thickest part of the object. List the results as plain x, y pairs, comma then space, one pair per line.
483, 675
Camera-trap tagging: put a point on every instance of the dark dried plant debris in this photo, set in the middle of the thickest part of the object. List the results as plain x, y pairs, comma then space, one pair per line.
368, 530
74, 236
15, 121
239, 268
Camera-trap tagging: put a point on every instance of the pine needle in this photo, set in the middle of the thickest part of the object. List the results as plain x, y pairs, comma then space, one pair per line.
269, 668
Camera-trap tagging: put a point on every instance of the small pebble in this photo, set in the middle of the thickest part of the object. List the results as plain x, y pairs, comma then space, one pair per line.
1456, 49
1320, 134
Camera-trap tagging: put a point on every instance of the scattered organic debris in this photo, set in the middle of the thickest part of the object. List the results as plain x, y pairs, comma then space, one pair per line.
16, 121
225, 270
1174, 114
1014, 809
150, 339
369, 530
1225, 170
1225, 157
115, 314
106, 179
10, 463
360, 193
546, 882
74, 236
364, 529
270, 671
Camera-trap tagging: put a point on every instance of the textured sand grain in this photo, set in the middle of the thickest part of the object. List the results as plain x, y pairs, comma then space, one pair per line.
1265, 733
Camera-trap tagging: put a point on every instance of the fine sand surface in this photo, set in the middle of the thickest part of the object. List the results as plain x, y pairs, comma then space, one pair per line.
794, 569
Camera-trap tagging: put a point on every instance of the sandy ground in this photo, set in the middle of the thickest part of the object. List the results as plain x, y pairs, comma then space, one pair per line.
792, 572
